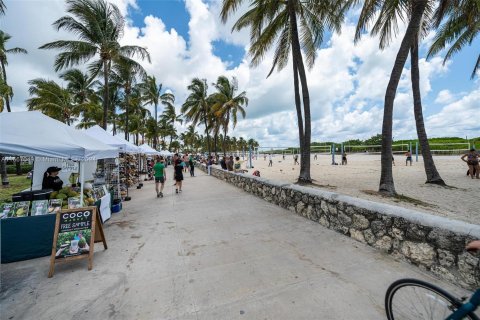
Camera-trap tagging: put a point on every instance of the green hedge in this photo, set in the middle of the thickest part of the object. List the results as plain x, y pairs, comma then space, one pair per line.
25, 168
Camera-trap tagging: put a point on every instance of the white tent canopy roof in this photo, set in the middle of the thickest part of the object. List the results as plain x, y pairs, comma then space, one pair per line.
115, 141
98, 133
129, 147
165, 153
31, 133
146, 149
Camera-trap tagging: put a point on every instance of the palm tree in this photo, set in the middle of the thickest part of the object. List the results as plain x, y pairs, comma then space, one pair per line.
4, 37
280, 22
252, 143
433, 176
98, 25
152, 95
387, 11
227, 104
169, 113
51, 99
5, 93
461, 28
125, 72
386, 22
196, 108
81, 85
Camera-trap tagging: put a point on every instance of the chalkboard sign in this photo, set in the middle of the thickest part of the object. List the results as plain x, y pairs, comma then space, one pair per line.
76, 231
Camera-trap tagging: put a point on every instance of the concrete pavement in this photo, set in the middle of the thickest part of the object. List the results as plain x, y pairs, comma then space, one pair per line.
211, 252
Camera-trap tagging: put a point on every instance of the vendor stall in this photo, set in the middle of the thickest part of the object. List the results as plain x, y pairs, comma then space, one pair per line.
45, 139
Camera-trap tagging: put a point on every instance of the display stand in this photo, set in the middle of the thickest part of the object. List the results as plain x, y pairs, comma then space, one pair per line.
112, 177
128, 173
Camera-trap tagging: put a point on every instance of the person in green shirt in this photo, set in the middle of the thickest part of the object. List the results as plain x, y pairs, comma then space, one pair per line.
160, 176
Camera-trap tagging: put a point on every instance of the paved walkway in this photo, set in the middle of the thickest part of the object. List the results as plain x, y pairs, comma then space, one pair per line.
212, 252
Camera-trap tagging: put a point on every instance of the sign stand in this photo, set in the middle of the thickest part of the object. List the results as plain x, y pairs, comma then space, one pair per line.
71, 226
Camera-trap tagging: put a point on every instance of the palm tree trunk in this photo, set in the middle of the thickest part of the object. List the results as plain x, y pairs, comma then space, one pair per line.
305, 127
206, 131
386, 177
105, 94
430, 170
7, 98
3, 170
155, 131
18, 166
126, 116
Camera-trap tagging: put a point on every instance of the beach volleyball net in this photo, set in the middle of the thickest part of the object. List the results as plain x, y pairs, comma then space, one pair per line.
449, 148
376, 149
325, 149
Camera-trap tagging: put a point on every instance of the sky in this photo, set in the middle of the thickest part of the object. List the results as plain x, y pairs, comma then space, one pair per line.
186, 39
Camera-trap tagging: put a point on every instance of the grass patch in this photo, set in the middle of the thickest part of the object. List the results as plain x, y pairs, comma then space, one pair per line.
17, 184
401, 198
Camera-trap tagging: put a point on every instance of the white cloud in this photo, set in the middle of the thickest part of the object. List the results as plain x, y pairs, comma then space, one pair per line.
444, 96
347, 84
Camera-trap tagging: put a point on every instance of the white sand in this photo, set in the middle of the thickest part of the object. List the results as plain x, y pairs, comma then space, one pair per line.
363, 173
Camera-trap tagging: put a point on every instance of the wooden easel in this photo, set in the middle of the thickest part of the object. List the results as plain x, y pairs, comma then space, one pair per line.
97, 235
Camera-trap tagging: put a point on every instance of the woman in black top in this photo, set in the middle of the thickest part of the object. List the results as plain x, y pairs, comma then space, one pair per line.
178, 175
51, 179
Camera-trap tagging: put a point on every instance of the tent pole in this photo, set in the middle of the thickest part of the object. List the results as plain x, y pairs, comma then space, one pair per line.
81, 167
31, 181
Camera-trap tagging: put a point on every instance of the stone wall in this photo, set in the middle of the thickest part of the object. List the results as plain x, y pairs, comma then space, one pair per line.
432, 243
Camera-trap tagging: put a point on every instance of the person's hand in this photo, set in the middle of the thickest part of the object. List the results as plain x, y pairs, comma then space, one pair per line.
473, 246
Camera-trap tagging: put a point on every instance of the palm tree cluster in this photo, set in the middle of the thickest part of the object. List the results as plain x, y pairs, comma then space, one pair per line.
296, 28
217, 111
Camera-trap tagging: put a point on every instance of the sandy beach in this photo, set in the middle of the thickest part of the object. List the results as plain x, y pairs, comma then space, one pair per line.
362, 175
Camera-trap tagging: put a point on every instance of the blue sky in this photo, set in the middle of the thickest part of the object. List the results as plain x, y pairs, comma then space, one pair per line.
347, 84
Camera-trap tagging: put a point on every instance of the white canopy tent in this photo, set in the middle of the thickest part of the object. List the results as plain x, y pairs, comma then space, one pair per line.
129, 147
32, 133
165, 153
146, 149
98, 133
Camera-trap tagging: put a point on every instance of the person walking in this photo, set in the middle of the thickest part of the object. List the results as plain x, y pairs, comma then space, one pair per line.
344, 159
270, 162
209, 165
295, 159
160, 176
192, 166
472, 162
178, 176
315, 156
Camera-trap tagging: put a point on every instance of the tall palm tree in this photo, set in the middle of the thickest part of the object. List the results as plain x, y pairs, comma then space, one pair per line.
151, 95
98, 25
196, 108
460, 29
385, 24
53, 100
294, 26
169, 113
125, 73
7, 90
227, 104
387, 11
4, 37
